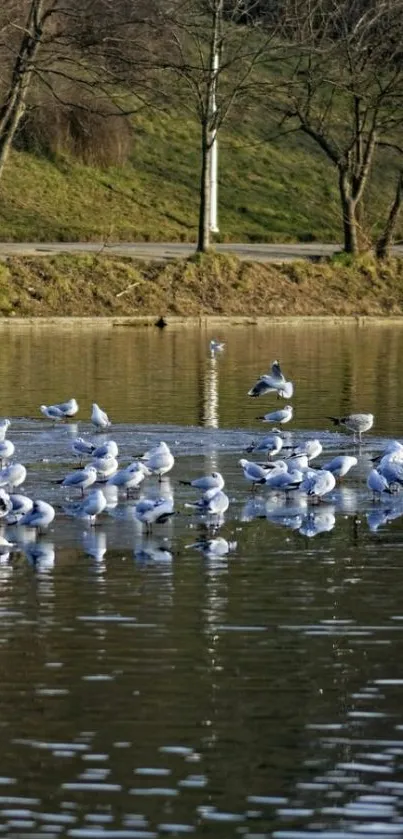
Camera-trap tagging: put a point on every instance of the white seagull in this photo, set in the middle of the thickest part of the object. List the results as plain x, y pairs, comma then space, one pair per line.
13, 476
319, 483
5, 503
99, 418
52, 412
20, 506
40, 517
214, 502
378, 484
253, 472
109, 447
213, 481
340, 465
105, 466
129, 478
273, 382
151, 511
82, 479
69, 408
281, 416
159, 460
4, 426
272, 445
82, 448
311, 448
92, 506
7, 450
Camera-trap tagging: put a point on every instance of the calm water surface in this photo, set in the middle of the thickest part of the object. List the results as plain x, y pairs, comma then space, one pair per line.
147, 693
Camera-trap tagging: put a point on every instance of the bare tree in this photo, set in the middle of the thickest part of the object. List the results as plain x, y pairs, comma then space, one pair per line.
99, 45
344, 88
215, 50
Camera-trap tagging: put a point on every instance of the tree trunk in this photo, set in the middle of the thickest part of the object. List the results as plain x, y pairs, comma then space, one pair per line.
8, 135
349, 211
384, 242
14, 107
203, 239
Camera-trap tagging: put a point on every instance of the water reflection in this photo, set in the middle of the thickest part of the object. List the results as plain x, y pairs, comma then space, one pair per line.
174, 683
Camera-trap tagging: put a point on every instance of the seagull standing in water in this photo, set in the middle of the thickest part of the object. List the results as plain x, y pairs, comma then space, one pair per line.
159, 460
82, 448
273, 382
357, 423
40, 517
340, 465
7, 450
4, 426
99, 418
378, 484
82, 479
213, 481
92, 506
52, 412
281, 416
319, 484
151, 511
68, 409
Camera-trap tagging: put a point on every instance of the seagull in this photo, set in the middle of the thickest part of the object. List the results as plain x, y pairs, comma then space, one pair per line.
52, 412
20, 506
273, 382
392, 470
4, 426
272, 445
92, 506
105, 466
281, 416
7, 450
340, 465
13, 476
99, 418
151, 511
82, 448
159, 460
130, 478
319, 483
213, 481
357, 423
253, 472
82, 479
378, 484
213, 547
214, 502
40, 517
216, 346
311, 448
5, 503
68, 409
285, 480
109, 447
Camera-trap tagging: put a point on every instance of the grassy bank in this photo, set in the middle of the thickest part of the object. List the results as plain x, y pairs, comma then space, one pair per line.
268, 191
99, 285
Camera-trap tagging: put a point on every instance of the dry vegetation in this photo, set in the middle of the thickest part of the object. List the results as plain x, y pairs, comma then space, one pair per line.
204, 285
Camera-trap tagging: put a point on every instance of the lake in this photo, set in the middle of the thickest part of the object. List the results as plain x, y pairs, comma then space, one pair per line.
150, 690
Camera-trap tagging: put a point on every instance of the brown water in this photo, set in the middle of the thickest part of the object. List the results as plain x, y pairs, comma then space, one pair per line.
145, 694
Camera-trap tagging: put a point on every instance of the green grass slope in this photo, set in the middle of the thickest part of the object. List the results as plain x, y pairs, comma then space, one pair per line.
278, 191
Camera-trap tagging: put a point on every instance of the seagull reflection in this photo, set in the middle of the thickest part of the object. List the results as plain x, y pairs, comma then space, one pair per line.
376, 518
289, 514
94, 544
318, 521
255, 508
41, 555
217, 547
150, 551
210, 402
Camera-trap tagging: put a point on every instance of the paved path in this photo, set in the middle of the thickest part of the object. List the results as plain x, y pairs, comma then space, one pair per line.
166, 250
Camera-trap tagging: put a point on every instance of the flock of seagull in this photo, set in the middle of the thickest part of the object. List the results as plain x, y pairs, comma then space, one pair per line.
293, 473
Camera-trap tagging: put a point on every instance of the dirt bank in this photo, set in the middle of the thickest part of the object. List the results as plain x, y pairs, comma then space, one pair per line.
219, 285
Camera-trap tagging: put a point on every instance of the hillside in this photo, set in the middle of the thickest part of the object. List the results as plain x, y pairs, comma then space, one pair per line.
278, 191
